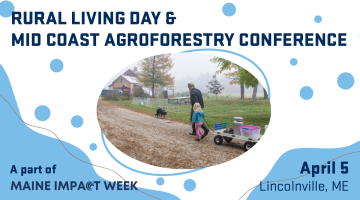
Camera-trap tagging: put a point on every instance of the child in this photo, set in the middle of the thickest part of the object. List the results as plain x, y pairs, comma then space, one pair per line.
197, 119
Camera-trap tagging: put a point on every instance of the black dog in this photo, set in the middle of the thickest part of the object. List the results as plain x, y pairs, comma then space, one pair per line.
160, 112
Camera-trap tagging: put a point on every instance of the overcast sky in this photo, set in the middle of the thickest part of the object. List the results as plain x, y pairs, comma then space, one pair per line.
190, 67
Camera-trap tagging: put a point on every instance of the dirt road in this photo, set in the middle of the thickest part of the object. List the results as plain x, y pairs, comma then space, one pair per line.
161, 142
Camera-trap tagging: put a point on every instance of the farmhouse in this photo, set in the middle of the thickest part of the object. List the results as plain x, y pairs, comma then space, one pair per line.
127, 82
131, 72
129, 79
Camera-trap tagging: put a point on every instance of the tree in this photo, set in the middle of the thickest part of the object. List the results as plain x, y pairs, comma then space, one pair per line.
249, 80
265, 94
215, 87
239, 76
154, 71
234, 75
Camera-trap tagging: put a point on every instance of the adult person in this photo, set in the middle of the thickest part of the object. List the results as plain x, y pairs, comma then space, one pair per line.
196, 97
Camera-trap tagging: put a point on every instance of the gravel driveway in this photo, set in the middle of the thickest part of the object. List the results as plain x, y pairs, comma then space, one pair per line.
161, 142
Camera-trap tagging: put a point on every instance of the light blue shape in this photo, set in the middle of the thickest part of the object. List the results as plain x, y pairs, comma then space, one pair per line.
77, 121
160, 181
189, 185
42, 113
93, 146
345, 80
6, 8
293, 61
318, 19
229, 9
287, 171
23, 147
56, 65
306, 93
237, 54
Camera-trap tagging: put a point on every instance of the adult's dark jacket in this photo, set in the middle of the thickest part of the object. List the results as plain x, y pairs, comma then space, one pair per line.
196, 97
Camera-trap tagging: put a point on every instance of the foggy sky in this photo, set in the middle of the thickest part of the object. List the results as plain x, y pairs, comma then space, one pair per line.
196, 68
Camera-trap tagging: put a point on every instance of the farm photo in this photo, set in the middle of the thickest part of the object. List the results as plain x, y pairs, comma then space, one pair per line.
184, 110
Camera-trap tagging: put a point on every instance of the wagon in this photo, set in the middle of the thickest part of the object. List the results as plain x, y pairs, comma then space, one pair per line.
220, 136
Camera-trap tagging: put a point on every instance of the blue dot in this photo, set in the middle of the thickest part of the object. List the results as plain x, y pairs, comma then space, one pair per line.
306, 93
345, 81
318, 19
160, 181
189, 185
77, 121
229, 9
42, 113
293, 61
93, 146
56, 65
6, 8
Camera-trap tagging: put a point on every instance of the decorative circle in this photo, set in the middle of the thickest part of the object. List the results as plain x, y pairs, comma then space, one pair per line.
6, 8
160, 181
345, 80
93, 146
293, 61
229, 9
77, 121
306, 93
318, 19
189, 185
56, 65
42, 113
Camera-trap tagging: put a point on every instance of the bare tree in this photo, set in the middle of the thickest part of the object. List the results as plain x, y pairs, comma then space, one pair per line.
214, 86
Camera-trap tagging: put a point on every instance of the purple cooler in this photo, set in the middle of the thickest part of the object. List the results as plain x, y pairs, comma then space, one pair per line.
250, 131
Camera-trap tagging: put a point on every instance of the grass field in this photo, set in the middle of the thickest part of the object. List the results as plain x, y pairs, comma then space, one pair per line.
224, 109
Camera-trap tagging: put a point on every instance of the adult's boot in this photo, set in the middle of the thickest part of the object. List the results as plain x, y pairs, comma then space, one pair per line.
205, 129
194, 130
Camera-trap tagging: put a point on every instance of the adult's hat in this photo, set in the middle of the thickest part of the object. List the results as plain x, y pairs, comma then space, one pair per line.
190, 84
